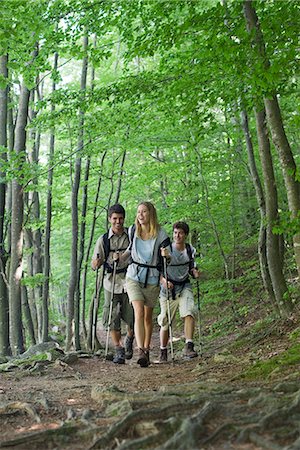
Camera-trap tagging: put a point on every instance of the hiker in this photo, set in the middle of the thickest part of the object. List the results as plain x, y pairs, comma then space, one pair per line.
115, 241
180, 292
147, 238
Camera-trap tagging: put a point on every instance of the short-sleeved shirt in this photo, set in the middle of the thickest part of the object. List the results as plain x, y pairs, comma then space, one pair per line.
117, 242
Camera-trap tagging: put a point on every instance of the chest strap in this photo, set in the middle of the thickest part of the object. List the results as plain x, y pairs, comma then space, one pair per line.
148, 267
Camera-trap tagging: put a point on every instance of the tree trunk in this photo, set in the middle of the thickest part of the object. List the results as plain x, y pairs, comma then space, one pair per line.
288, 167
275, 123
262, 239
120, 177
81, 246
87, 256
4, 308
34, 216
273, 242
47, 262
30, 292
16, 329
73, 308
27, 316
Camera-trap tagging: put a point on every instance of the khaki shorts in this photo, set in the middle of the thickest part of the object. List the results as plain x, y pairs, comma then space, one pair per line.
121, 310
183, 301
137, 292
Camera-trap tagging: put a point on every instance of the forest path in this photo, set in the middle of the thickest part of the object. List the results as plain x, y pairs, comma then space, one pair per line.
201, 403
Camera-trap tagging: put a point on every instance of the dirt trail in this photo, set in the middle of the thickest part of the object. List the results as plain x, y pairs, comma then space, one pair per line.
200, 403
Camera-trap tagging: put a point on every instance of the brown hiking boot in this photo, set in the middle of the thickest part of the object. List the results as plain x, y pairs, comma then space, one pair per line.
163, 355
189, 351
143, 358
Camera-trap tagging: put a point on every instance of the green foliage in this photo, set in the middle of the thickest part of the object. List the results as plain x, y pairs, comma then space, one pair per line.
169, 77
33, 281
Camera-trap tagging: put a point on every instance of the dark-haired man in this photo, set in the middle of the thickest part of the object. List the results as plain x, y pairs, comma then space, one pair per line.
115, 240
180, 293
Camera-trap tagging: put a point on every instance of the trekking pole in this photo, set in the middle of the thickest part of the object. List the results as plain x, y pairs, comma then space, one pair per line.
95, 307
169, 310
110, 306
199, 318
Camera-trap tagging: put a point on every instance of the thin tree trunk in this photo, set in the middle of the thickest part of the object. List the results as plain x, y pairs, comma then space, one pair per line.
27, 316
262, 239
273, 241
81, 243
34, 208
28, 242
11, 144
88, 251
120, 177
73, 308
82, 231
4, 308
47, 262
275, 123
16, 329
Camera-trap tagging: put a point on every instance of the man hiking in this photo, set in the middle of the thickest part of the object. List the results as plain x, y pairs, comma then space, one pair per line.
179, 292
115, 241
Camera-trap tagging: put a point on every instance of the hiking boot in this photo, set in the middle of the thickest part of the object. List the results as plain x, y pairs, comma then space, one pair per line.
119, 357
147, 351
189, 351
163, 355
143, 358
129, 347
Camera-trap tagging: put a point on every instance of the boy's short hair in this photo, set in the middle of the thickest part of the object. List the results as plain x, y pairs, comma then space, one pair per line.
117, 208
182, 226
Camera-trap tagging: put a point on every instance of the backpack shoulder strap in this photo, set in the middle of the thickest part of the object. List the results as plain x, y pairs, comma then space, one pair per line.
132, 231
190, 255
106, 245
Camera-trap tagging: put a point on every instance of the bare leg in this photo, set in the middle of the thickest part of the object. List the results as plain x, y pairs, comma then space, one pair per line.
139, 327
116, 338
148, 325
189, 325
164, 337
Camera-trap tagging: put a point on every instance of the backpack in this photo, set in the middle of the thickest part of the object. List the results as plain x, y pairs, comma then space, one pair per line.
106, 248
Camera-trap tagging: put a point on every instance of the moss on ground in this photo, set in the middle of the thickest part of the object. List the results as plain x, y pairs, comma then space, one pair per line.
262, 369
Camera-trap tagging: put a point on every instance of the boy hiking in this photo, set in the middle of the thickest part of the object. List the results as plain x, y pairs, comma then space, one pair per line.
115, 241
179, 292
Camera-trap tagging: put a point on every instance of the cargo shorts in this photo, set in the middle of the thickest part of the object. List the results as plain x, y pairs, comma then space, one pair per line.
184, 301
121, 310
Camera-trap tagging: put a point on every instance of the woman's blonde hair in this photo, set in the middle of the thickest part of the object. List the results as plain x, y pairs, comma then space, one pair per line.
153, 222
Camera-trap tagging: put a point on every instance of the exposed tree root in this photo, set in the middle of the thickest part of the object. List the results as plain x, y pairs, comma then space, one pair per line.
266, 419
41, 436
147, 415
16, 407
